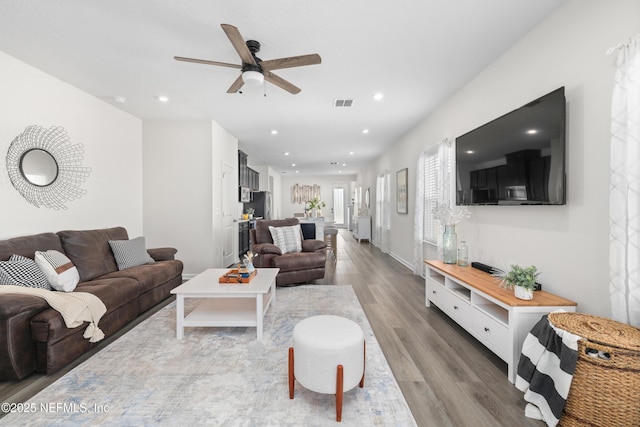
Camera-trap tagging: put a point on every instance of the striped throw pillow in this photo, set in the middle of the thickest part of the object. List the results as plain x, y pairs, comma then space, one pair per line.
287, 239
59, 270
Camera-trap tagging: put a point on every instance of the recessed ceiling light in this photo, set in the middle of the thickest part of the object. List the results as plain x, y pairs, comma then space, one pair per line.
365, 131
469, 151
274, 132
293, 165
119, 99
297, 171
378, 96
344, 164
162, 98
532, 131
351, 153
286, 153
339, 171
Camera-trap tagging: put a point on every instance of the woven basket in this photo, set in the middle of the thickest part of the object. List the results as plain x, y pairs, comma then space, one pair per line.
604, 392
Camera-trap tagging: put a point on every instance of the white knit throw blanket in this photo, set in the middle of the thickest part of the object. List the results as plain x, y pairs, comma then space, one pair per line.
75, 307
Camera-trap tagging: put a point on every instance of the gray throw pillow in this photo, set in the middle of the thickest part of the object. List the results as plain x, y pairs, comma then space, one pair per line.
130, 253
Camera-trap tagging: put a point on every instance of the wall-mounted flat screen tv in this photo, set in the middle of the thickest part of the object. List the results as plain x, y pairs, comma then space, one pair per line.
516, 159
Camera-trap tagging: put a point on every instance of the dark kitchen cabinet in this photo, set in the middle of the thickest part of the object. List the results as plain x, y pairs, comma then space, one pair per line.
254, 180
243, 170
247, 177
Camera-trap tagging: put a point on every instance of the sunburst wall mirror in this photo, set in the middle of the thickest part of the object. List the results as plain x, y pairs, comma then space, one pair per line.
46, 168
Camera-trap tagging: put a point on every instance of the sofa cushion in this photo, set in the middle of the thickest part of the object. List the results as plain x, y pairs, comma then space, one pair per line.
28, 245
48, 326
130, 253
263, 235
287, 239
90, 252
24, 271
149, 276
300, 261
59, 270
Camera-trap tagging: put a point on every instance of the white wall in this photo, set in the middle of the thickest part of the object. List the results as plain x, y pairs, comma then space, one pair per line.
326, 183
112, 141
182, 183
569, 244
268, 173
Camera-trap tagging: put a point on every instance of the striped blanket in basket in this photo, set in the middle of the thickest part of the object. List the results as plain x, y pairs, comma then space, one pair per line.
545, 370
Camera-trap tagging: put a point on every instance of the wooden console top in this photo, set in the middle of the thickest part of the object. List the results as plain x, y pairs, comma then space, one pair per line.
490, 285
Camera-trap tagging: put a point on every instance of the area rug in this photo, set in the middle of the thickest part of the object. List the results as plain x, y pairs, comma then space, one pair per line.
217, 376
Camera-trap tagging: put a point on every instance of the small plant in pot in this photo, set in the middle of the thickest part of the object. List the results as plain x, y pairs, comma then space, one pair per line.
521, 279
250, 212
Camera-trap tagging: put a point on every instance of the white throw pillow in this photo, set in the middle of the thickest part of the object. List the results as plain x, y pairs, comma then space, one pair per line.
130, 253
59, 270
287, 239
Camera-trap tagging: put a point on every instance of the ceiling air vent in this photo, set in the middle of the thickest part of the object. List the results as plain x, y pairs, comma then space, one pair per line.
342, 102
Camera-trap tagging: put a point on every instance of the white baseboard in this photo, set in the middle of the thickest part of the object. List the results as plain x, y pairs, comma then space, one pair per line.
401, 261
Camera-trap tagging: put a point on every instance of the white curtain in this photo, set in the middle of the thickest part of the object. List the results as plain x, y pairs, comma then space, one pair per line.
624, 199
418, 219
445, 191
383, 211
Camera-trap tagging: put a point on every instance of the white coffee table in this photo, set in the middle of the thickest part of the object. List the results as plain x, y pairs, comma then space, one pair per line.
226, 304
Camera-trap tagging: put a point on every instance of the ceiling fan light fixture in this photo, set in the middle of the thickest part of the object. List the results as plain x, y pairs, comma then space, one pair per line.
252, 78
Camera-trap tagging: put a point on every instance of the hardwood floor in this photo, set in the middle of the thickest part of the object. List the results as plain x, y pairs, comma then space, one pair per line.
447, 377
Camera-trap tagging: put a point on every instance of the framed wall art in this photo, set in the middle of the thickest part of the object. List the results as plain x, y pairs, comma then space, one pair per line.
402, 203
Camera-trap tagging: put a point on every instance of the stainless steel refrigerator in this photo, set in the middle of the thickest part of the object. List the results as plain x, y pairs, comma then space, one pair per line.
261, 202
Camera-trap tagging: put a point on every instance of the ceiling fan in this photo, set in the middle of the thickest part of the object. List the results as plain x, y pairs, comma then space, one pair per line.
255, 70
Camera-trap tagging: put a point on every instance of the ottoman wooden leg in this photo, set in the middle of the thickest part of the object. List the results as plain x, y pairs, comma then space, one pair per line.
292, 377
364, 362
339, 393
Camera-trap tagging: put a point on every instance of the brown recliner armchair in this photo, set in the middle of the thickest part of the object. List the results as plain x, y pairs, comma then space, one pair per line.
295, 267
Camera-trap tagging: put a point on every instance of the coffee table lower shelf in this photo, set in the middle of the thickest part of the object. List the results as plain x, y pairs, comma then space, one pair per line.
225, 305
229, 312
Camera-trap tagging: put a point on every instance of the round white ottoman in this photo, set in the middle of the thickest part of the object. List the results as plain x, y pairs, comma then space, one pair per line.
327, 356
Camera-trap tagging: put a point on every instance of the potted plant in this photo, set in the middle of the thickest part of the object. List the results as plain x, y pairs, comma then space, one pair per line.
250, 212
314, 205
521, 279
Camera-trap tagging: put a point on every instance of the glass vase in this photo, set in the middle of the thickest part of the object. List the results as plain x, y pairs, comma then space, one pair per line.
449, 245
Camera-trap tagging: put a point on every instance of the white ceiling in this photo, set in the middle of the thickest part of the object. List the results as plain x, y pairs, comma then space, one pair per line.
416, 52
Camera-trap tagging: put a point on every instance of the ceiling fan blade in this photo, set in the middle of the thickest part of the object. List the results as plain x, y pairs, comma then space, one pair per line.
236, 85
238, 43
280, 82
205, 61
292, 61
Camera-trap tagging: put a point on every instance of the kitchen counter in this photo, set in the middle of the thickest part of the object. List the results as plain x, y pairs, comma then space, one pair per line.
248, 220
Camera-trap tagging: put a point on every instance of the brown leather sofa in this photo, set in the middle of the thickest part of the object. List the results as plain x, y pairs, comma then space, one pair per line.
34, 337
295, 267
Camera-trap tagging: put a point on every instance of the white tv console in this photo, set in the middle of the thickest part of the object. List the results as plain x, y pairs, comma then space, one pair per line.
474, 300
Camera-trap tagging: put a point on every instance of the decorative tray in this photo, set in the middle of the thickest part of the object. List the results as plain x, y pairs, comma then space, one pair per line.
233, 276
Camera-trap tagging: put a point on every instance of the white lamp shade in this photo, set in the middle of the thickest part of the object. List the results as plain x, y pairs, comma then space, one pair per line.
252, 78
